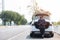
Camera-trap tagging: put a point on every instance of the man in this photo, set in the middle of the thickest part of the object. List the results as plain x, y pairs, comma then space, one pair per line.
41, 25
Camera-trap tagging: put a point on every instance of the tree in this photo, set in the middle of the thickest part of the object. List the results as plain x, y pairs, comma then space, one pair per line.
23, 20
58, 23
20, 20
12, 16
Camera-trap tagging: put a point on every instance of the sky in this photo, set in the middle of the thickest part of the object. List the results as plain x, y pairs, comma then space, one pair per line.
21, 6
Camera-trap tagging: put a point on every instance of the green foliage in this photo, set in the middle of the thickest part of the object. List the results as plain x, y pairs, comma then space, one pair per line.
56, 23
13, 16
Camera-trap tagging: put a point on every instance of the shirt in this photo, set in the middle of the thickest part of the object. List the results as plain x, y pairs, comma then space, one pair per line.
41, 21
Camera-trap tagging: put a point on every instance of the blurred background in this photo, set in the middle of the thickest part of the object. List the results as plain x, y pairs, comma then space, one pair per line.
26, 8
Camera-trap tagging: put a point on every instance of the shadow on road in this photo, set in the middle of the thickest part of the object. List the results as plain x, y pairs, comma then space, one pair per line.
28, 37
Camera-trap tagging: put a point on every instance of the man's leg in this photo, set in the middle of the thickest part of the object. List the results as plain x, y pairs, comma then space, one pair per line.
42, 30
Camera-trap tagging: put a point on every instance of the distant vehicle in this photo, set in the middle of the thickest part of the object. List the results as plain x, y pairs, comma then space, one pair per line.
49, 30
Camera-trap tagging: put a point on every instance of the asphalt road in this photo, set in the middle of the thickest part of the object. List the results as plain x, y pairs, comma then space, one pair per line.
21, 33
